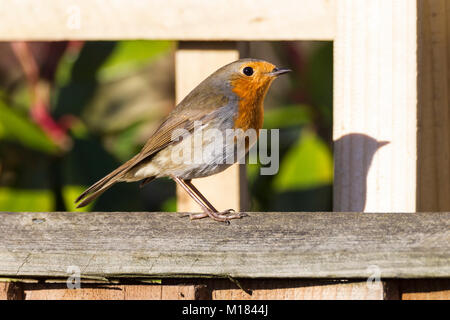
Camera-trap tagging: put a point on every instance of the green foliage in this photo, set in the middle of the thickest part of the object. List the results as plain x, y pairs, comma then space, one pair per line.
304, 179
20, 129
71, 192
130, 56
170, 205
79, 78
319, 78
287, 116
26, 200
308, 164
102, 87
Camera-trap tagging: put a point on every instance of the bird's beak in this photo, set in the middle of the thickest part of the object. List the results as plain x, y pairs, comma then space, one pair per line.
277, 72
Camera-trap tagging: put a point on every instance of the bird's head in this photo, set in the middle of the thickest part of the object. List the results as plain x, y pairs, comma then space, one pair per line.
249, 76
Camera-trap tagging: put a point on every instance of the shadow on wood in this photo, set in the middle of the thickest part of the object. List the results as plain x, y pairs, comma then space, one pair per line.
350, 185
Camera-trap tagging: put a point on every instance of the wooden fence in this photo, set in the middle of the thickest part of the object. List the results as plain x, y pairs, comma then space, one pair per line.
391, 83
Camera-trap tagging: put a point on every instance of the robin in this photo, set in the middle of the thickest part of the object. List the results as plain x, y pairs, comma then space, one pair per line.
229, 102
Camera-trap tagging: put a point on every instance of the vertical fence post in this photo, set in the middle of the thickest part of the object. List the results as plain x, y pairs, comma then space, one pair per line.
391, 108
375, 109
194, 61
433, 82
433, 123
375, 106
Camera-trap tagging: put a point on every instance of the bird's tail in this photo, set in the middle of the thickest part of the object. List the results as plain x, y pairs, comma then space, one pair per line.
103, 184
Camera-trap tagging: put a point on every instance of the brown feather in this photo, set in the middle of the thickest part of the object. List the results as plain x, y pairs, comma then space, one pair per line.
184, 118
227, 86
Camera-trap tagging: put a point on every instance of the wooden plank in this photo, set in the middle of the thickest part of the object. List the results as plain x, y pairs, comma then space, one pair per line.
296, 290
292, 289
433, 136
375, 100
425, 289
178, 20
392, 84
263, 245
108, 292
391, 118
11, 291
194, 62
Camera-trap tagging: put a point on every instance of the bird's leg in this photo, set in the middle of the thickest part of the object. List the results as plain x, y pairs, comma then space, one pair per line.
196, 199
207, 207
200, 195
223, 215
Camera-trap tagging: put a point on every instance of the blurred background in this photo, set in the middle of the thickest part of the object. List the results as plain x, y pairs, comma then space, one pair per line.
71, 112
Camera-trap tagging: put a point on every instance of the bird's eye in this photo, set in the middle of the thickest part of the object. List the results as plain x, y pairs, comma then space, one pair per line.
275, 70
248, 71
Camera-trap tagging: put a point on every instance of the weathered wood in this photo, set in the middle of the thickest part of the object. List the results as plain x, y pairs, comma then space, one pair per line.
194, 62
200, 289
220, 289
391, 116
11, 291
433, 136
263, 245
297, 290
172, 19
109, 292
291, 289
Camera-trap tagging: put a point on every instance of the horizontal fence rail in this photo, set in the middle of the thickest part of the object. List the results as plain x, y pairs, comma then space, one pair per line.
170, 19
262, 245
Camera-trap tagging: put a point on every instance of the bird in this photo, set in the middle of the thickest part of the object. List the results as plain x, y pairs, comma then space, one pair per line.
230, 102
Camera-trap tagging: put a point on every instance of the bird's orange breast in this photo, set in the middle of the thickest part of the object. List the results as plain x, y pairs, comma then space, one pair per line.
251, 104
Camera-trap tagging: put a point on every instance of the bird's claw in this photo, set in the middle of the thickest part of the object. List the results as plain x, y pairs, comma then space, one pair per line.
224, 216
228, 211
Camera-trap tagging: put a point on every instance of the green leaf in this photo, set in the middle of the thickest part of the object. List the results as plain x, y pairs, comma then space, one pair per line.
35, 200
287, 116
18, 128
308, 164
129, 56
70, 193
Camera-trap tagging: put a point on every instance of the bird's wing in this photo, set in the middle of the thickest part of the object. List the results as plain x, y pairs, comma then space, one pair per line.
162, 137
195, 107
165, 133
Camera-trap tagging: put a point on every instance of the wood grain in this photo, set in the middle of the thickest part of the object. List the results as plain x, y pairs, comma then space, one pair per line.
200, 289
392, 84
375, 106
263, 245
11, 291
194, 62
108, 292
178, 20
222, 289
297, 290
433, 136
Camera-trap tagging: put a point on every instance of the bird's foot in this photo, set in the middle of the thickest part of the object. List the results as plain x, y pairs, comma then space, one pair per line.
224, 216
